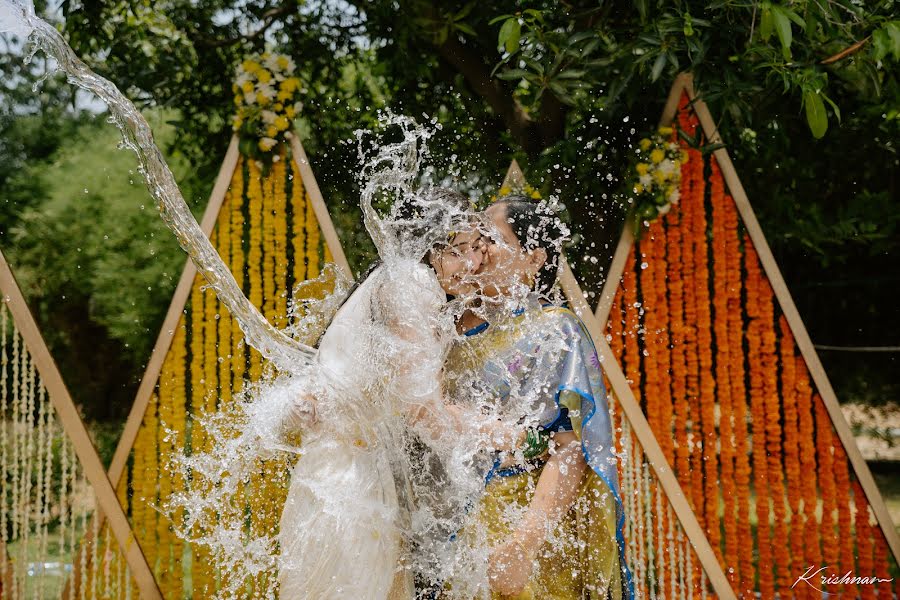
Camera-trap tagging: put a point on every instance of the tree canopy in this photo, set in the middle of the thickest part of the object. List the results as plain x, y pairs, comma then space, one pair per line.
806, 93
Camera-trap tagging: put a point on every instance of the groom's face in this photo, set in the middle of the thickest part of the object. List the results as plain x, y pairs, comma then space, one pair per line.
458, 261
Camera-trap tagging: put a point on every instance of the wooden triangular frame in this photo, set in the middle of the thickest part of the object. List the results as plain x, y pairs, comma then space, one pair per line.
183, 290
684, 84
634, 414
74, 428
185, 284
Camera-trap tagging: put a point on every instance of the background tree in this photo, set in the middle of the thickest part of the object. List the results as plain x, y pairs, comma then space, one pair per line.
806, 92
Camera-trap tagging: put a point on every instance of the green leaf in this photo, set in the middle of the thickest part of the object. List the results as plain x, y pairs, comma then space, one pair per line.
887, 41
816, 116
658, 65
571, 74
881, 42
783, 29
766, 24
466, 28
834, 107
511, 74
688, 25
510, 34
794, 17
496, 20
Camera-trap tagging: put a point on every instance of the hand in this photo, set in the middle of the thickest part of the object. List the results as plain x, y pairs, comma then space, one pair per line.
510, 566
302, 412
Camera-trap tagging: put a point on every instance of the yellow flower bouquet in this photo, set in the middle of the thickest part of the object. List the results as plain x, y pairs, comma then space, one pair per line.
655, 181
267, 99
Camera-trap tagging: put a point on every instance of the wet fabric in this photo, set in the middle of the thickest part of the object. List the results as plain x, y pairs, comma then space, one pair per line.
540, 367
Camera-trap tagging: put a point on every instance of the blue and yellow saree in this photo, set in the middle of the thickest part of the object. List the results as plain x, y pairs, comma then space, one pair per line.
539, 366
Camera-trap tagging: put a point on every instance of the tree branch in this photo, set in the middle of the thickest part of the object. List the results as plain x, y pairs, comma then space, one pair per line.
269, 17
478, 75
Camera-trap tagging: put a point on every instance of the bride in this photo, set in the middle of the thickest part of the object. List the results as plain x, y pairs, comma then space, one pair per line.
379, 365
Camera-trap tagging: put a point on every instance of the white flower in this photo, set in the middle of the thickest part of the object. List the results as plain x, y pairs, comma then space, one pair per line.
267, 143
673, 147
666, 167
250, 98
646, 180
242, 78
267, 90
664, 209
674, 196
271, 63
268, 117
298, 106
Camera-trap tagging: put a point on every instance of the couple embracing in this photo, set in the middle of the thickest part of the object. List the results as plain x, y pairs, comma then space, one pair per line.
456, 441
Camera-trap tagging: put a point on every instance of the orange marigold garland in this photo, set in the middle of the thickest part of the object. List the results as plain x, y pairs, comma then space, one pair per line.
758, 422
693, 229
791, 435
805, 412
632, 352
864, 540
707, 397
824, 448
721, 281
846, 561
742, 471
773, 448
677, 274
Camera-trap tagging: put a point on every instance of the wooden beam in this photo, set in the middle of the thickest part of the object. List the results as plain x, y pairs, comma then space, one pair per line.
74, 428
173, 316
163, 341
646, 438
801, 336
319, 207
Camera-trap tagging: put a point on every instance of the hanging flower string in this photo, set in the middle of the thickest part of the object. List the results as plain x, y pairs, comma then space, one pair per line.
267, 99
655, 182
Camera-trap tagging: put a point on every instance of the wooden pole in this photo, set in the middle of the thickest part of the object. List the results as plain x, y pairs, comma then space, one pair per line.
638, 421
92, 466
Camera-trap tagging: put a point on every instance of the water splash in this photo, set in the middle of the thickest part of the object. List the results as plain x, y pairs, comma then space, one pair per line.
278, 347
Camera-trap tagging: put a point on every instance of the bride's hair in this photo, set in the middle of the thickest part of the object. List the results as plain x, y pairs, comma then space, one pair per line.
536, 225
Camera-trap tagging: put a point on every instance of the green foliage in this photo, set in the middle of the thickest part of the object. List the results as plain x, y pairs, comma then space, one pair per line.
806, 95
91, 253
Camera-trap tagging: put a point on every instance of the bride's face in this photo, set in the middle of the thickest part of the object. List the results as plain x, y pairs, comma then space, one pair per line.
457, 262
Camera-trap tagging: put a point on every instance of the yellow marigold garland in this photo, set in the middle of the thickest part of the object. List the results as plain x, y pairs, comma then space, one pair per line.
254, 257
298, 220
268, 243
279, 175
238, 354
198, 409
312, 241
175, 368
